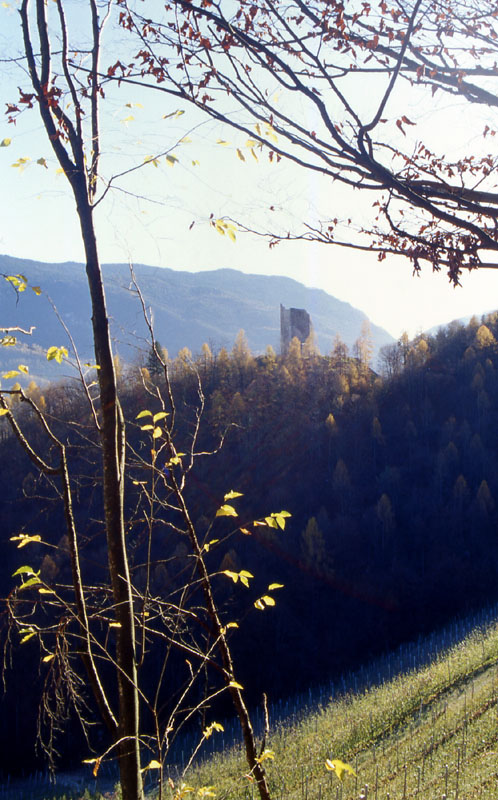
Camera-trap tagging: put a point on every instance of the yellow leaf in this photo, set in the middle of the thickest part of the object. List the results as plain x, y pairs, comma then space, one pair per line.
11, 374
226, 511
240, 154
114, 624
5, 142
266, 754
171, 160
233, 575
144, 414
231, 234
48, 658
270, 133
222, 141
157, 433
206, 791
267, 600
230, 495
25, 539
259, 605
160, 415
3, 411
235, 685
23, 368
45, 591
152, 765
30, 582
339, 767
244, 575
21, 163
273, 586
245, 531
215, 726
56, 354
36, 290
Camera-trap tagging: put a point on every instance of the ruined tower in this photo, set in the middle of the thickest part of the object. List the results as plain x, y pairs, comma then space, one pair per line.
293, 322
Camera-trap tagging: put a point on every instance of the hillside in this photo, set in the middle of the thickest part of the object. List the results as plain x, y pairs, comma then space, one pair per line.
429, 731
188, 309
391, 484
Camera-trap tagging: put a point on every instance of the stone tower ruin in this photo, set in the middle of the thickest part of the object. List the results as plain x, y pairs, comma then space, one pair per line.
293, 322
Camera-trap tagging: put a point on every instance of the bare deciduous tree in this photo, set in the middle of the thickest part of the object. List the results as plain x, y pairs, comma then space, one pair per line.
327, 85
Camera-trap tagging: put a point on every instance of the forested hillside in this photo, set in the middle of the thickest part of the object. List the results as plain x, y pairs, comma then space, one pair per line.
390, 479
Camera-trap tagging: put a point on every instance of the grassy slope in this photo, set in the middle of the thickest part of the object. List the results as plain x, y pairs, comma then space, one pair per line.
429, 733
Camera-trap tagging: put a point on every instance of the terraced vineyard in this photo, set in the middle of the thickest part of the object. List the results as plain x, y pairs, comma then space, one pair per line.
431, 733
428, 733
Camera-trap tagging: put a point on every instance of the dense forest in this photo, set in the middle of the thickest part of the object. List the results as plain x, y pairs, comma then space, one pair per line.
390, 477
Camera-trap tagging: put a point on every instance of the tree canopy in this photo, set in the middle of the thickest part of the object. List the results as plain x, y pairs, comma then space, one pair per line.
349, 91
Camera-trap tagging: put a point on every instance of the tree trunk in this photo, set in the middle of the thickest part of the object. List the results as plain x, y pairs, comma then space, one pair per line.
113, 453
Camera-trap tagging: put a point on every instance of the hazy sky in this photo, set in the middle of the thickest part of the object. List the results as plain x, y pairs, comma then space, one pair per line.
148, 219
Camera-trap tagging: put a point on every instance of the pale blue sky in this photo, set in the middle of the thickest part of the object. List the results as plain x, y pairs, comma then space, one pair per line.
38, 219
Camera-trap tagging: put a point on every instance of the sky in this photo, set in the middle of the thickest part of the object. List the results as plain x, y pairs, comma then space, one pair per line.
160, 215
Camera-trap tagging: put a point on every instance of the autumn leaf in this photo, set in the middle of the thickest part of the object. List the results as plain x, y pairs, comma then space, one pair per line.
231, 495
265, 755
25, 539
226, 511
152, 765
215, 726
48, 658
339, 767
56, 354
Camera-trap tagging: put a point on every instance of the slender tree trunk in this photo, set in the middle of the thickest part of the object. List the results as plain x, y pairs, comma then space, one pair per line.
253, 760
113, 454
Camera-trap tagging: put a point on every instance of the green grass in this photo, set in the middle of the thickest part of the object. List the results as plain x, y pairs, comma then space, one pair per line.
431, 734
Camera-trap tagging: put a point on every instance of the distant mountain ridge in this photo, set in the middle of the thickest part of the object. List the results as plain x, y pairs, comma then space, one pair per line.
188, 309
